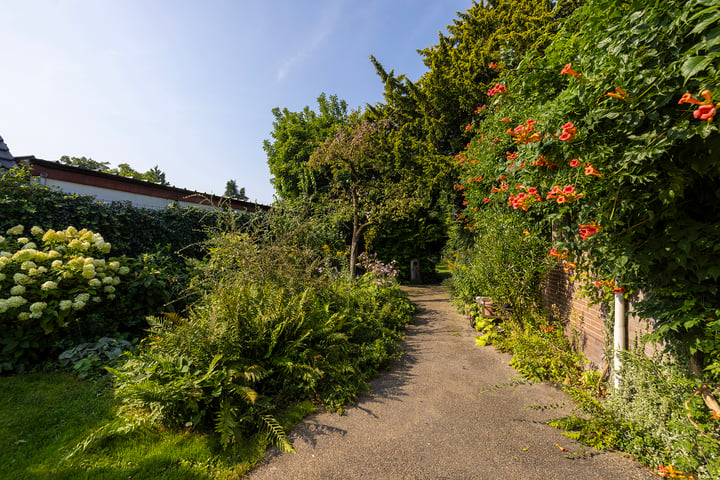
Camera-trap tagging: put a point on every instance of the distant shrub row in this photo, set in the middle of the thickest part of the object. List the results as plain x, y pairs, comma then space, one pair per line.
132, 231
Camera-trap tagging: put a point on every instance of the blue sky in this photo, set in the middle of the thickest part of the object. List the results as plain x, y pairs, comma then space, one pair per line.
190, 85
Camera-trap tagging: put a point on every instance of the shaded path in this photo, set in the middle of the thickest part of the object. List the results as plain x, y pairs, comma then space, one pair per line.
425, 419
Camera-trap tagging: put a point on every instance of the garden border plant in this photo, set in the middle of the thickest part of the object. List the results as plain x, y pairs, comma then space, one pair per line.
605, 141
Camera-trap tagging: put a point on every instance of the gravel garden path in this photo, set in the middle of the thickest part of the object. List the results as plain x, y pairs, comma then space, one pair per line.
434, 415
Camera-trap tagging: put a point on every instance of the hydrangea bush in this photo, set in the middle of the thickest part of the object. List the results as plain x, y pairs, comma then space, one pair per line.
48, 279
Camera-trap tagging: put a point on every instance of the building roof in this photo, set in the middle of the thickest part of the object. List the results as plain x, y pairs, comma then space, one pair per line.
6, 158
73, 174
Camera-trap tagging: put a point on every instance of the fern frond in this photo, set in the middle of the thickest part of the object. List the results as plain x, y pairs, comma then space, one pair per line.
225, 423
276, 434
246, 393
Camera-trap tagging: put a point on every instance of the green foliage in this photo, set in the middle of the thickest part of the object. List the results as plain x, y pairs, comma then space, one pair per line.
629, 170
369, 181
44, 415
614, 157
295, 137
87, 358
268, 330
154, 175
506, 264
47, 280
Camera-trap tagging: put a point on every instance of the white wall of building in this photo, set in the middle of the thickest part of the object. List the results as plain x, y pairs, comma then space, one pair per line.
107, 195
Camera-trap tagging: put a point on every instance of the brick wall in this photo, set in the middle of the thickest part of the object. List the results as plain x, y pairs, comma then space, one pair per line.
586, 324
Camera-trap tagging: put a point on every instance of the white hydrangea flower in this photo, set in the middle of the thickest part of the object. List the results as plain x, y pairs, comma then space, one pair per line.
97, 299
82, 297
2, 239
56, 264
2, 277
41, 257
86, 246
17, 290
109, 289
74, 243
89, 261
78, 305
116, 281
16, 230
107, 280
14, 302
99, 262
95, 283
114, 265
29, 246
123, 270
49, 285
3, 305
71, 231
21, 278
53, 254
36, 231
65, 304
24, 255
111, 296
38, 307
88, 271
23, 240
23, 316
106, 247
4, 254
27, 265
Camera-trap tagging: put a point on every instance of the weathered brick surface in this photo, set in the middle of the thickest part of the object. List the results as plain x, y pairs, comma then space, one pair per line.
587, 325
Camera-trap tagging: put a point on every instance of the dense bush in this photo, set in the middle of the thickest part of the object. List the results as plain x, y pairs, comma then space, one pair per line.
49, 280
506, 263
59, 288
272, 328
605, 143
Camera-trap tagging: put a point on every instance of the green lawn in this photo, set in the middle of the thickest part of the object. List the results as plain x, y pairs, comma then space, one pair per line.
44, 416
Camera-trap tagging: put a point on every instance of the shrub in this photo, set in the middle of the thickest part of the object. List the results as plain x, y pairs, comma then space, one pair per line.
267, 331
48, 280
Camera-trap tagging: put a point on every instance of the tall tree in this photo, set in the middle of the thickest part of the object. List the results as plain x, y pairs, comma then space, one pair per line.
295, 137
232, 191
366, 177
155, 175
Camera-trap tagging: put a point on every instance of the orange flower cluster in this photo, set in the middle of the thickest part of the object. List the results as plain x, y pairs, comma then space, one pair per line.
556, 253
524, 200
589, 169
586, 231
568, 132
610, 285
496, 89
567, 70
542, 161
618, 93
564, 195
706, 110
524, 134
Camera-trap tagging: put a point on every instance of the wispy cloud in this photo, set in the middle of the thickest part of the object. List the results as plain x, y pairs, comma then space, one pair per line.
320, 33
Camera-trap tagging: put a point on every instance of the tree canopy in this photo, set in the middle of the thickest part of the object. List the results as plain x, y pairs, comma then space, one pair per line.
295, 136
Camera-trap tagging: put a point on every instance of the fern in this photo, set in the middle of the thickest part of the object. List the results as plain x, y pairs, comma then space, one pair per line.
276, 434
225, 423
